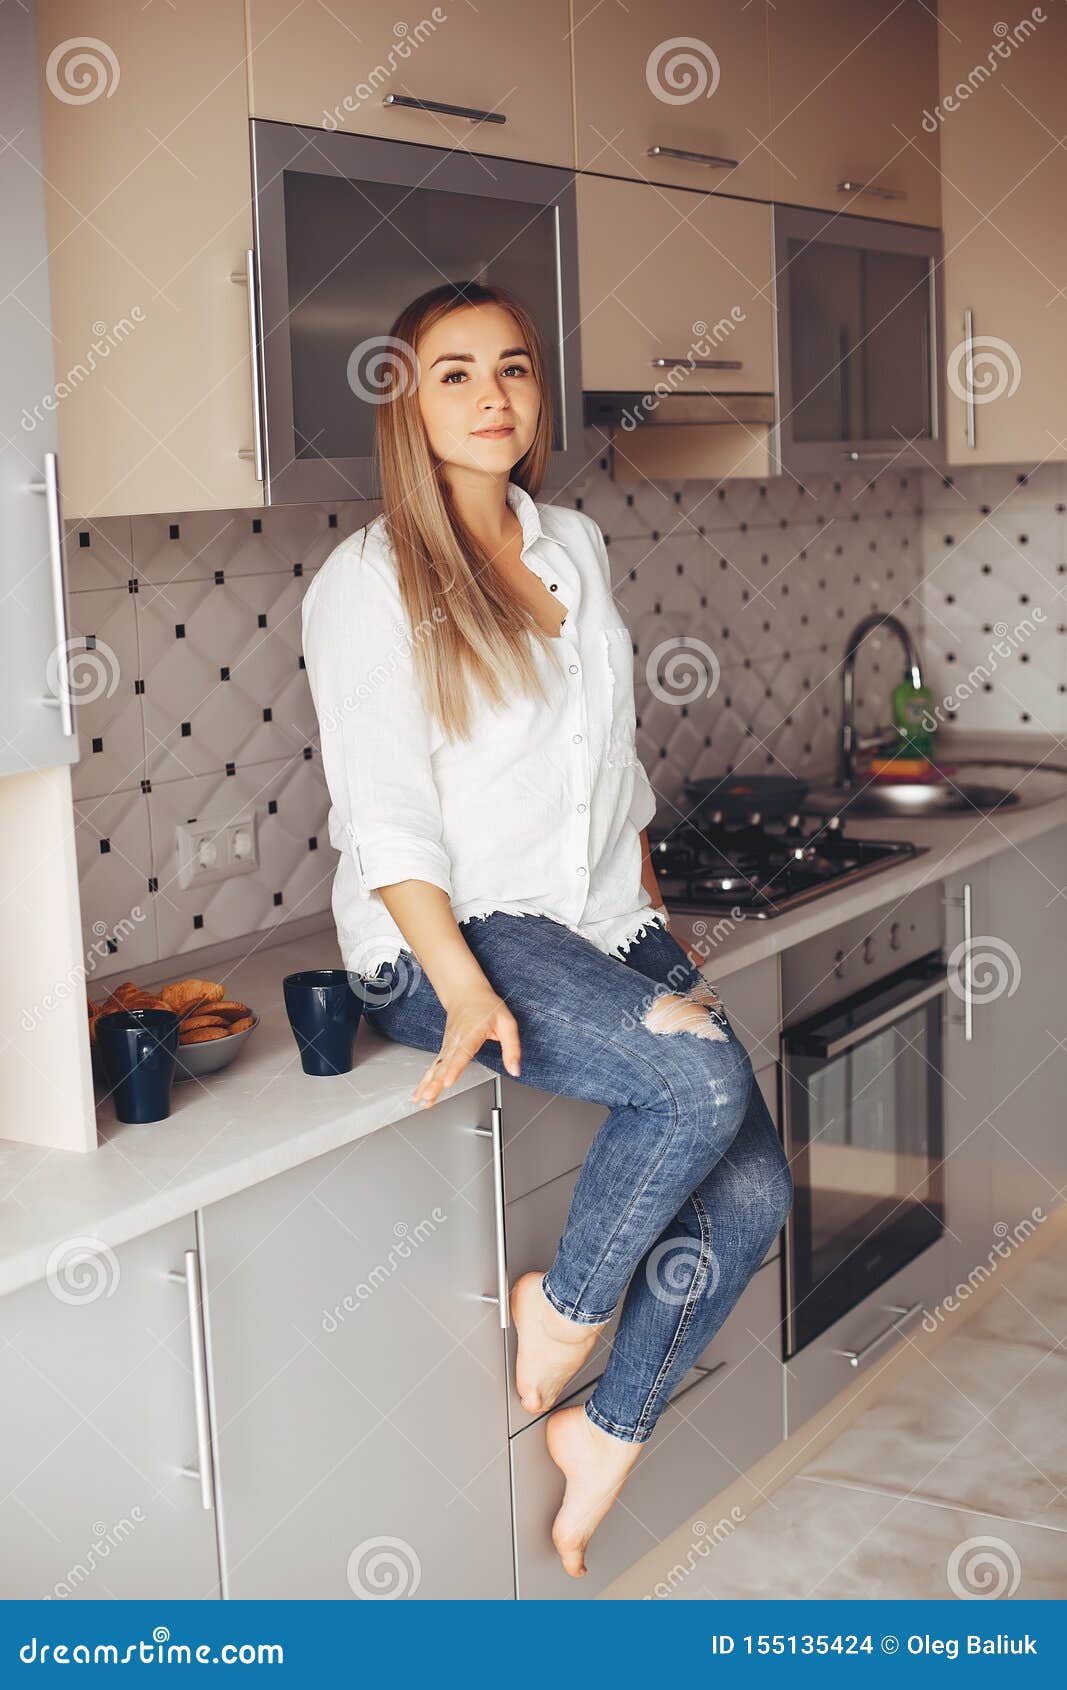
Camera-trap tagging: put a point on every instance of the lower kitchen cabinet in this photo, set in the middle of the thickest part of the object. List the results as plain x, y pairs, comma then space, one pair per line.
720, 1421
99, 1463
969, 1134
1020, 1009
358, 1369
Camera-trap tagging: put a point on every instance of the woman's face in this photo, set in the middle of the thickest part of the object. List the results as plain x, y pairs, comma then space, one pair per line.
477, 393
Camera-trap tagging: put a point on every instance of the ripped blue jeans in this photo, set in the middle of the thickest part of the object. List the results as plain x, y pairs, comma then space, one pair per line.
685, 1185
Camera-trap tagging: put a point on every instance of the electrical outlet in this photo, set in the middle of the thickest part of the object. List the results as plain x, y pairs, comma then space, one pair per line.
212, 851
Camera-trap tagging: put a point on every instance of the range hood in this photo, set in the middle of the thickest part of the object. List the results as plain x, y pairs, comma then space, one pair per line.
684, 436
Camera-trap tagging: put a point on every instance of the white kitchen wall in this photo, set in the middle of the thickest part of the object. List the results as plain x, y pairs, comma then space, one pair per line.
195, 705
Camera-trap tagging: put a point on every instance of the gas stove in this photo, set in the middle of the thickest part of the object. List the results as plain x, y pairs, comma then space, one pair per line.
757, 867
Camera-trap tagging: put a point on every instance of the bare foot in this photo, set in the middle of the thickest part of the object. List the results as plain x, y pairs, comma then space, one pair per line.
551, 1347
595, 1466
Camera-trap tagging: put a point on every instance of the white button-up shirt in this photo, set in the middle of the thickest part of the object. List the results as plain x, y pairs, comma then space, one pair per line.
539, 812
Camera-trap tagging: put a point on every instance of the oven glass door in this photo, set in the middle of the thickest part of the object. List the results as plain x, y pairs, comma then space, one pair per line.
864, 1134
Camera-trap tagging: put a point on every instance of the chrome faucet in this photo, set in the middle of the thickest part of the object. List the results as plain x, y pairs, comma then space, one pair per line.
851, 742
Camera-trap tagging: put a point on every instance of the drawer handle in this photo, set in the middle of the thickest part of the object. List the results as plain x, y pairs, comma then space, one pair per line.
854, 1357
711, 159
500, 1296
697, 364
471, 112
874, 189
203, 1472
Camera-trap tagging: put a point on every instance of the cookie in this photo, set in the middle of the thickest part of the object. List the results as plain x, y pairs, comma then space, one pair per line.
243, 1022
200, 1035
180, 994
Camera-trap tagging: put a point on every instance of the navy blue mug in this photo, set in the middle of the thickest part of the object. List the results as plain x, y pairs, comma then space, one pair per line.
324, 1014
137, 1048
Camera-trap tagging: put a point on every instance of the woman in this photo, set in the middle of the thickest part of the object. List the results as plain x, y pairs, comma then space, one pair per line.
495, 898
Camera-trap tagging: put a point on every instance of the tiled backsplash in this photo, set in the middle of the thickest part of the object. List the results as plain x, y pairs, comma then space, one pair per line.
200, 708
995, 616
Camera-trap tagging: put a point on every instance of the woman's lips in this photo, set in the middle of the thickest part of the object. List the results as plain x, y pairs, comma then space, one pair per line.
494, 433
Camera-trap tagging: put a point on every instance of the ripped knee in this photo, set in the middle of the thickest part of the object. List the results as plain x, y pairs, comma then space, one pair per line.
698, 1011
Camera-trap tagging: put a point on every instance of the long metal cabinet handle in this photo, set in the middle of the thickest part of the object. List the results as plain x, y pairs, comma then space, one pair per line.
204, 1471
247, 277
713, 159
697, 363
968, 945
968, 341
854, 1357
495, 1132
471, 112
874, 189
50, 488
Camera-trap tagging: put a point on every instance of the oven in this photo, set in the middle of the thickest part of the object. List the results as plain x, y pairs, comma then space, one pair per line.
348, 229
863, 1113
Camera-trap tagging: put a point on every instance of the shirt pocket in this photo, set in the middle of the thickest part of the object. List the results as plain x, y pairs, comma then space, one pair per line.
622, 749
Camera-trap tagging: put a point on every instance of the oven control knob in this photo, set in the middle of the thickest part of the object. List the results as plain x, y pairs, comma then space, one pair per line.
839, 959
869, 953
896, 937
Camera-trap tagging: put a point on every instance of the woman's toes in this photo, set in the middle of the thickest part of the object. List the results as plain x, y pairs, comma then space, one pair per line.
571, 1554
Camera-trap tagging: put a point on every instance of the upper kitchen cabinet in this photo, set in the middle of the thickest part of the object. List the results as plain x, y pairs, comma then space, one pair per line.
491, 79
37, 729
674, 92
149, 220
851, 84
1000, 115
675, 287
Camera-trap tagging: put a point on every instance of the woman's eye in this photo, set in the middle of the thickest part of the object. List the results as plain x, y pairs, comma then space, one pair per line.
446, 381
516, 370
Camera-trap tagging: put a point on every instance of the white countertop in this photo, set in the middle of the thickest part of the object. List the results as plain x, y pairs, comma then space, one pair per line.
263, 1115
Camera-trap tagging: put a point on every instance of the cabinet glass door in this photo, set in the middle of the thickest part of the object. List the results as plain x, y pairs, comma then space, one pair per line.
350, 229
857, 304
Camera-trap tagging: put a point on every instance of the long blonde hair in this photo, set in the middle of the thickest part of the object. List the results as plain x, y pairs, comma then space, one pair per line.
481, 633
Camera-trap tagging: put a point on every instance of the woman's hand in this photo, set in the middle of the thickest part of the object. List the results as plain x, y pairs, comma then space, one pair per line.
472, 1018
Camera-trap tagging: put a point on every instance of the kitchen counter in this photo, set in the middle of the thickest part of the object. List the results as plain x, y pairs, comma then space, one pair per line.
259, 1117
263, 1115
950, 843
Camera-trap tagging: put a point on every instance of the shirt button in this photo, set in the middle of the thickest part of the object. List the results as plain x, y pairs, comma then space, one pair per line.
583, 871
577, 738
553, 588
582, 809
574, 668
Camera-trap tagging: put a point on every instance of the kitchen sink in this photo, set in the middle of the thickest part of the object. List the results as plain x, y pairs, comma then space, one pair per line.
1010, 783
